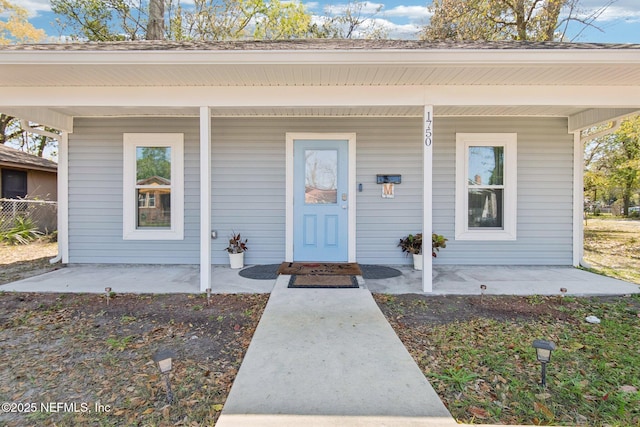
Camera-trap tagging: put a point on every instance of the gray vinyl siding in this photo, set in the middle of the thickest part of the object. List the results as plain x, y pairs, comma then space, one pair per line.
249, 187
95, 194
545, 192
249, 183
249, 180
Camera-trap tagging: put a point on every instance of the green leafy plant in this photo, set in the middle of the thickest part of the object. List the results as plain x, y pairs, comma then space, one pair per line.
412, 244
22, 232
119, 343
437, 241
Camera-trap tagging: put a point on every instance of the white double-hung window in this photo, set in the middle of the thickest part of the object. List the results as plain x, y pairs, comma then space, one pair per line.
153, 186
486, 186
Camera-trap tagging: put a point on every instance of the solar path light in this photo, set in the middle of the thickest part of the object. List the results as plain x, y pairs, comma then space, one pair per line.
163, 359
543, 354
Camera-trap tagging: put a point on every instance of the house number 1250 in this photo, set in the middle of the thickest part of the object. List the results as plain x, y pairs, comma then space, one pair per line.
427, 129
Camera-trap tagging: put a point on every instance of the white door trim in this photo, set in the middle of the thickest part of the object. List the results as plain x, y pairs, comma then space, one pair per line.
351, 138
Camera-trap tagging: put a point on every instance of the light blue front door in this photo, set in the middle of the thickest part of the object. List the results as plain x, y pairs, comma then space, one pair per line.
320, 200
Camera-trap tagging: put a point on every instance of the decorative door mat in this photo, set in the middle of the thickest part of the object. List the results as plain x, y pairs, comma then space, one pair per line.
320, 268
323, 281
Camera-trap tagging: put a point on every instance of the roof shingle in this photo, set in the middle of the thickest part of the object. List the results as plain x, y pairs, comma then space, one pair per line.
16, 158
307, 44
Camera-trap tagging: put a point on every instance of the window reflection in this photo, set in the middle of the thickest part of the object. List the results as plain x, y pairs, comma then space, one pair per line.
153, 163
321, 176
153, 187
485, 208
486, 166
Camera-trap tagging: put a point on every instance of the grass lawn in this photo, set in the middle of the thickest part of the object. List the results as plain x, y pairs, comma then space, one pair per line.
484, 368
612, 247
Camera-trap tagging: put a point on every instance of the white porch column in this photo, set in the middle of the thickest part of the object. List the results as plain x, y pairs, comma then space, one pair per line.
205, 198
578, 199
427, 202
63, 198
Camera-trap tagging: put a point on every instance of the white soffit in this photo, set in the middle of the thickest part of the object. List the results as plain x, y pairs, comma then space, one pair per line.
182, 75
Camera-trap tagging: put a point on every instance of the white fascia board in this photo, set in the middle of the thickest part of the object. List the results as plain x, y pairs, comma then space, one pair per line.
508, 57
323, 96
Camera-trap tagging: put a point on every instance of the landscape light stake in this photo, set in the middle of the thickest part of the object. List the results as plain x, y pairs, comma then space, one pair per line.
482, 289
543, 354
107, 291
208, 296
563, 291
163, 360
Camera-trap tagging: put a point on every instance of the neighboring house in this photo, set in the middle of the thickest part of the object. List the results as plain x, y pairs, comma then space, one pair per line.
283, 141
25, 176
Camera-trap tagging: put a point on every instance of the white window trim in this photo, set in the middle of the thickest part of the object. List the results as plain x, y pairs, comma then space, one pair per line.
129, 200
510, 143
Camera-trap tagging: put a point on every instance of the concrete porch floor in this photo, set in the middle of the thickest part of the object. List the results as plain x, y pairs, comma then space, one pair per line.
448, 280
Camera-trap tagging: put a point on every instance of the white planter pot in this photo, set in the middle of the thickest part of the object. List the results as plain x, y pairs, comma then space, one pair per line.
236, 260
417, 262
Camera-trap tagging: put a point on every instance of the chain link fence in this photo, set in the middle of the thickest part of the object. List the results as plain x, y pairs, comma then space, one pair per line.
44, 214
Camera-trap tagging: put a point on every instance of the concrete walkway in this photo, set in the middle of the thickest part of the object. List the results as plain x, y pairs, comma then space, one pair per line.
328, 357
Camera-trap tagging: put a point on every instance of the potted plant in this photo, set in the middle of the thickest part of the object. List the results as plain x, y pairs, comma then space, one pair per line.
236, 250
412, 244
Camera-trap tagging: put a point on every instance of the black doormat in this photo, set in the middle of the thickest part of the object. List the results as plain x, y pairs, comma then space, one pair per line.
310, 281
379, 272
270, 272
261, 272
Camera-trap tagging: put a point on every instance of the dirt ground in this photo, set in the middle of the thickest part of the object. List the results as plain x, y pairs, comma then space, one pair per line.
21, 261
94, 354
94, 350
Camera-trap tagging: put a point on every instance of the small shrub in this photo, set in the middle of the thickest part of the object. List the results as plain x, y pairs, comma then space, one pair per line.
23, 231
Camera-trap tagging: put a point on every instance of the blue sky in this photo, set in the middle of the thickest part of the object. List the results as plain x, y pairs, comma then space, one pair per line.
619, 23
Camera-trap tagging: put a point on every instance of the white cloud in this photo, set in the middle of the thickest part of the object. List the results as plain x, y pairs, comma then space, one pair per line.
311, 5
411, 12
34, 6
400, 31
368, 8
618, 10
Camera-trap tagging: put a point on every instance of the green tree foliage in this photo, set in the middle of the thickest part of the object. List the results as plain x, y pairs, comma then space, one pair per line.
238, 19
613, 165
214, 20
102, 20
626, 160
536, 20
114, 20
